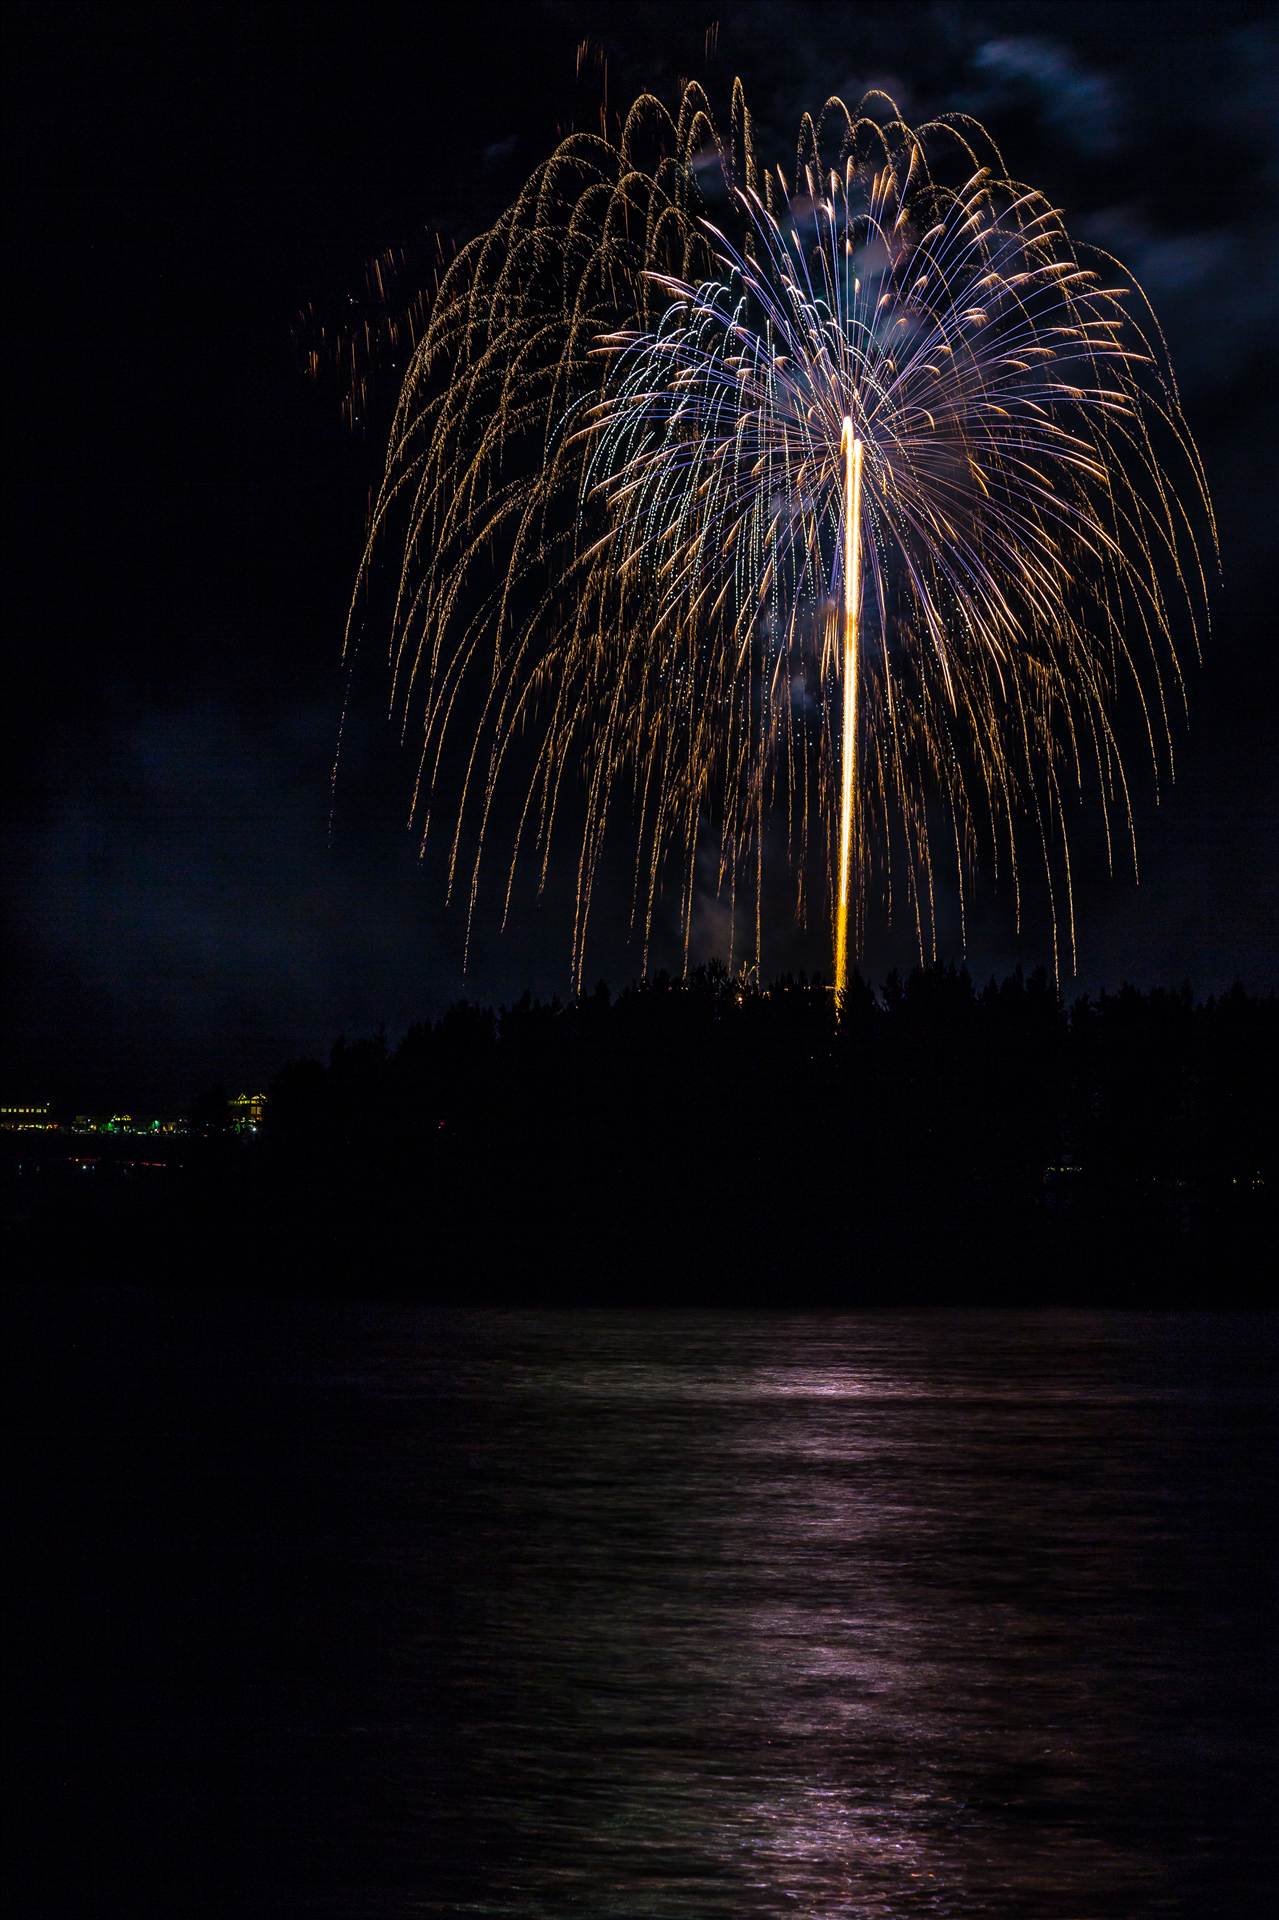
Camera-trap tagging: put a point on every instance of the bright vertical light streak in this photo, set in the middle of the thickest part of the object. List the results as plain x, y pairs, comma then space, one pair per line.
851, 448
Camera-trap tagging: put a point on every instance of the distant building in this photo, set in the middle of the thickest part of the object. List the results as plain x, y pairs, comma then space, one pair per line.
32, 1119
247, 1111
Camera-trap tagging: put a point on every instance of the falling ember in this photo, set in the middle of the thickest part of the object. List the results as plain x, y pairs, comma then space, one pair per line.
641, 458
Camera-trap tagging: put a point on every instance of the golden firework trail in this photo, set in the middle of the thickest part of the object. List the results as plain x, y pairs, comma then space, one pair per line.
852, 501
851, 448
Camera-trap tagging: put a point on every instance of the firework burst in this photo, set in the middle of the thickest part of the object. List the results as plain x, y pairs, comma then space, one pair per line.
854, 500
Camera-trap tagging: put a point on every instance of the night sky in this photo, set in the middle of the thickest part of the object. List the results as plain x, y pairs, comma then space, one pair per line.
186, 509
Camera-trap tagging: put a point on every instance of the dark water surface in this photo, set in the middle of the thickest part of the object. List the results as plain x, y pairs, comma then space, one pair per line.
345, 1610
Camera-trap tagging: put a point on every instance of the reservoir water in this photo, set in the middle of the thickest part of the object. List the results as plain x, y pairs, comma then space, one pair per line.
347, 1610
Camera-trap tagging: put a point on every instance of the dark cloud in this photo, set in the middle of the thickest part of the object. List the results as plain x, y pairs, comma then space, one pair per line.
1084, 107
186, 886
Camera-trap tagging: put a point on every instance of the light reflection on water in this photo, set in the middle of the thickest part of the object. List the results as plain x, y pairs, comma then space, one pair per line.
880, 1615
866, 1616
